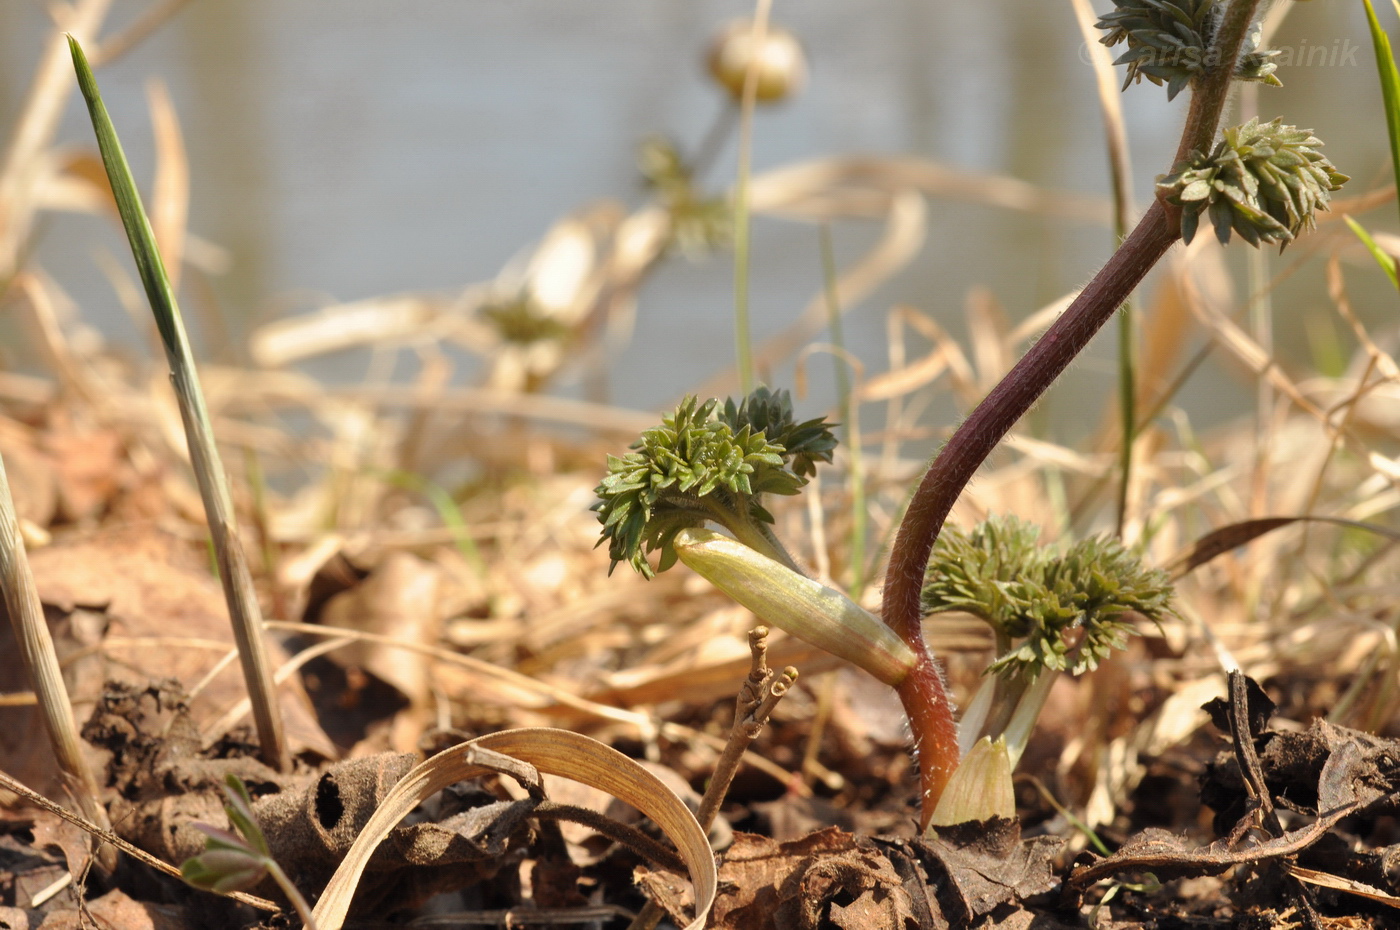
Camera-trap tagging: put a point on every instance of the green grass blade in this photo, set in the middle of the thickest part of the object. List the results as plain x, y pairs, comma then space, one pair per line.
447, 510
244, 611
848, 413
1383, 258
1390, 83
138, 227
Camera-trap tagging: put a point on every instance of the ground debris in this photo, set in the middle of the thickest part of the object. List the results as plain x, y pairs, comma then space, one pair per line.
831, 878
1294, 810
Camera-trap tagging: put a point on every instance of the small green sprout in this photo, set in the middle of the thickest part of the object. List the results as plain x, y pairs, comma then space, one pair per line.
1051, 610
520, 320
705, 464
240, 861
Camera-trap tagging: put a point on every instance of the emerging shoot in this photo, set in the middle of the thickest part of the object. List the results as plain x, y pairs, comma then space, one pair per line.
1051, 610
704, 464
712, 464
240, 861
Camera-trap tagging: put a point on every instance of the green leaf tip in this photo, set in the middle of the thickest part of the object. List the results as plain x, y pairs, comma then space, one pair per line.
1389, 74
1034, 598
138, 227
1264, 181
707, 463
1383, 258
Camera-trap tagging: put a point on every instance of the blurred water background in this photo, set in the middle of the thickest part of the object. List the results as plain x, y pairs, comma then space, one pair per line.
341, 149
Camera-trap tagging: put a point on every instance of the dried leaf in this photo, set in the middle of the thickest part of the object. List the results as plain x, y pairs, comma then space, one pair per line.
557, 752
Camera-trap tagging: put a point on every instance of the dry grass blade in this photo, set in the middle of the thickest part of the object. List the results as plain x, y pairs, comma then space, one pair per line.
809, 189
204, 455
1120, 173
552, 752
1230, 537
34, 130
170, 196
1110, 102
41, 661
137, 31
1350, 886
344, 326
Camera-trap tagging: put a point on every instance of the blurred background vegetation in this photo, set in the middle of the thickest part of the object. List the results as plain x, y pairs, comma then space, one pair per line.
342, 150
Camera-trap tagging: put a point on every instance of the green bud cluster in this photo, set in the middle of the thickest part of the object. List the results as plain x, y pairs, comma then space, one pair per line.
520, 320
706, 463
1171, 42
699, 224
1263, 181
1034, 598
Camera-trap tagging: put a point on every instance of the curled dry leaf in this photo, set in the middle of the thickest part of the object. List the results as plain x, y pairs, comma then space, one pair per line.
552, 752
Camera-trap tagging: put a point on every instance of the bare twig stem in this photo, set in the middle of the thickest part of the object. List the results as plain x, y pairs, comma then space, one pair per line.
759, 694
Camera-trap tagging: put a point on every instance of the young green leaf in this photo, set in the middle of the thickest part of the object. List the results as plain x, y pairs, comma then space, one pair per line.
240, 861
1264, 181
230, 861
1382, 257
1390, 83
227, 863
1171, 41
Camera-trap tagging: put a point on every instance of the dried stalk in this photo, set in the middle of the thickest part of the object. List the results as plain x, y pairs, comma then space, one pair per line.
761, 692
34, 131
36, 650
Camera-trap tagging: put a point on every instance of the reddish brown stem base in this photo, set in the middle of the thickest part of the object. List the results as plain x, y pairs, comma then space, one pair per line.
935, 733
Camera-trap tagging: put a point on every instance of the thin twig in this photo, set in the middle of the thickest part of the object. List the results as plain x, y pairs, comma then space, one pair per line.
758, 695
107, 836
133, 35
1258, 790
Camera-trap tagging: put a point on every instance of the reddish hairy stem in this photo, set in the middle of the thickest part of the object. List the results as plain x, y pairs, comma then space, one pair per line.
979, 434
930, 713
924, 697
1008, 402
